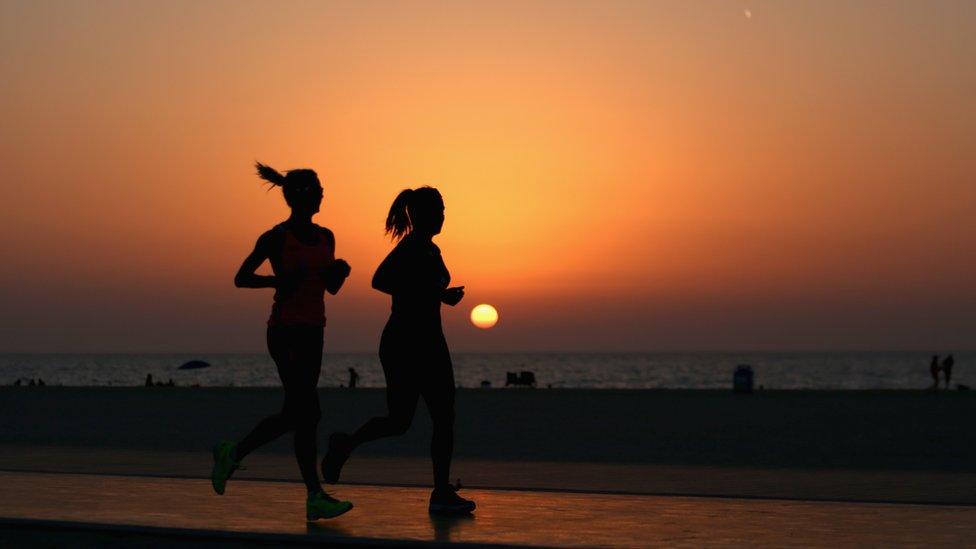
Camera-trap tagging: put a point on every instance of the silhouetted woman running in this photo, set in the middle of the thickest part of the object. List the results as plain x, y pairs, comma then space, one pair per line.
302, 256
414, 354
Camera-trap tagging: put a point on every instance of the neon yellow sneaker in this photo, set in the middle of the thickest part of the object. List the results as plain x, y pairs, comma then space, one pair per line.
322, 505
224, 465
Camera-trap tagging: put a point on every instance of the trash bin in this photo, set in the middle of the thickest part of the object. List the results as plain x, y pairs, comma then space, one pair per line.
742, 379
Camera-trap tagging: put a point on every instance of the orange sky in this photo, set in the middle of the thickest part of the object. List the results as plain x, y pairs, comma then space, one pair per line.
618, 176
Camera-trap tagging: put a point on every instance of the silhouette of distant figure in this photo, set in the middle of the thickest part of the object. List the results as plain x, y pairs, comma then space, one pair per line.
414, 354
947, 365
934, 370
149, 380
526, 379
353, 378
302, 257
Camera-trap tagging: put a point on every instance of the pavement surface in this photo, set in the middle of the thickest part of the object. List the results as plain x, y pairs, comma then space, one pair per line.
185, 511
854, 485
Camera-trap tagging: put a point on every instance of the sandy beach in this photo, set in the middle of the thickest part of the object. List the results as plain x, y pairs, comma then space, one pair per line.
865, 446
867, 430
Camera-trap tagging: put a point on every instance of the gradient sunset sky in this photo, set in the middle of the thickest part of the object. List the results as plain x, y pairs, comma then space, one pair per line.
618, 176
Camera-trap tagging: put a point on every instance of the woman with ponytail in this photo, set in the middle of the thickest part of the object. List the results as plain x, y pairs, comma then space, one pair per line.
415, 358
302, 257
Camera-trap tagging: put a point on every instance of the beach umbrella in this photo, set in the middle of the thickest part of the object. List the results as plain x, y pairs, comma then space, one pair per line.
194, 365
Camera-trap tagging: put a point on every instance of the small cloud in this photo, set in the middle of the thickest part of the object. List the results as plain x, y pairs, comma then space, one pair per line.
747, 13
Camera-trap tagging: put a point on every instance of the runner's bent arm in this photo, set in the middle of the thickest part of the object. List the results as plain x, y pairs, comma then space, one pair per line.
386, 279
337, 271
246, 276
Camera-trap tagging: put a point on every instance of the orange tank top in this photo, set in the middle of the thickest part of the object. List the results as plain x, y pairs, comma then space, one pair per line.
305, 303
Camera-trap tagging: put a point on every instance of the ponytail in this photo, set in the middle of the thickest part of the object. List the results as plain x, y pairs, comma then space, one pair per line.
398, 220
295, 184
270, 175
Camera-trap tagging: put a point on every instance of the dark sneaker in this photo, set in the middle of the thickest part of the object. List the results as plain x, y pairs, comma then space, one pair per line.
445, 501
339, 449
322, 505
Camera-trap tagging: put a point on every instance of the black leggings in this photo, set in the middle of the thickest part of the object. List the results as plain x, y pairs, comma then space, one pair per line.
297, 352
416, 363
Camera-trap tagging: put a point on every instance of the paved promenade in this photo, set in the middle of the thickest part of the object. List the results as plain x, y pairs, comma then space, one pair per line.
188, 512
853, 485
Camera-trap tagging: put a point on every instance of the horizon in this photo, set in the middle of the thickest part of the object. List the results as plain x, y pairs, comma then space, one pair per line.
617, 177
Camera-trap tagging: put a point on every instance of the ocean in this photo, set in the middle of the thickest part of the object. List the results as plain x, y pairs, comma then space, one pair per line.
839, 370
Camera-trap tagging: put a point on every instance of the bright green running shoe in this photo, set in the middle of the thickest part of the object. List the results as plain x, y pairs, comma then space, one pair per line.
322, 505
224, 465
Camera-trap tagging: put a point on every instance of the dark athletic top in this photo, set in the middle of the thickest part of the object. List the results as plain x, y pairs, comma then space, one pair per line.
416, 273
305, 303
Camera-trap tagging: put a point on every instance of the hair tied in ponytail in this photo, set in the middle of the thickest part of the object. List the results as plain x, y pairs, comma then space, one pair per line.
398, 220
270, 174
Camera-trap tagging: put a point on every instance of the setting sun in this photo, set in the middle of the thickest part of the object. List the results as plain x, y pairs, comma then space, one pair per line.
484, 316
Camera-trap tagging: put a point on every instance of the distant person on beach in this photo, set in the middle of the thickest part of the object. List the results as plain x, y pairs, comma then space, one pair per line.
353, 378
302, 256
414, 354
947, 365
934, 370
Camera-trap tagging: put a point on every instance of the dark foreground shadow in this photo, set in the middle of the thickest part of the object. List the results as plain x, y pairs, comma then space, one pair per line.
446, 527
326, 528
